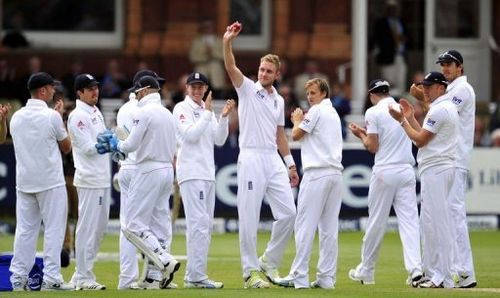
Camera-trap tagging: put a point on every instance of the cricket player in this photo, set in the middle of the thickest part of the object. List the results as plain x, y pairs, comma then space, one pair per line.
462, 95
152, 137
261, 171
129, 270
39, 136
92, 181
198, 130
392, 184
437, 142
320, 190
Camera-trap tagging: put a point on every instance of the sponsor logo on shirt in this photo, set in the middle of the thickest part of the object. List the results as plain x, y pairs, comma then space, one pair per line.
94, 121
275, 104
196, 114
201, 195
250, 185
306, 121
135, 121
430, 122
260, 95
456, 100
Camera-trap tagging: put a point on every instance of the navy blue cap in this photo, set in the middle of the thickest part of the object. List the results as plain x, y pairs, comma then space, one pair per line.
146, 82
197, 77
450, 56
378, 86
434, 77
40, 79
85, 80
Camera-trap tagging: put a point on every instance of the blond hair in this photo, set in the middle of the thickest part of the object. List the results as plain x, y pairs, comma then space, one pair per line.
321, 83
274, 59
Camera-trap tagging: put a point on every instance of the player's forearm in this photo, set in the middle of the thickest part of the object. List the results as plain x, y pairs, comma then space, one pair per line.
416, 136
193, 132
222, 131
414, 123
230, 64
282, 143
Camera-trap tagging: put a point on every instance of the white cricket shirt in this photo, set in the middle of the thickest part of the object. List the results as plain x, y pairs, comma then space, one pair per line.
462, 95
260, 113
152, 135
92, 170
322, 145
442, 121
35, 131
394, 146
197, 131
124, 120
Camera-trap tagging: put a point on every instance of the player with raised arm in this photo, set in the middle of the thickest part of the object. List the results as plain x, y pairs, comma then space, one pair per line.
261, 172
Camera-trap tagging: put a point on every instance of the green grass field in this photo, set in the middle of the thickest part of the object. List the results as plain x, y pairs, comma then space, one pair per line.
224, 265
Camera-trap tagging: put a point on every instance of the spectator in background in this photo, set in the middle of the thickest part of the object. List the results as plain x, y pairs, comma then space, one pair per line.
14, 37
68, 79
481, 136
311, 71
113, 81
7, 75
4, 111
179, 93
290, 103
342, 104
389, 43
495, 138
206, 55
34, 66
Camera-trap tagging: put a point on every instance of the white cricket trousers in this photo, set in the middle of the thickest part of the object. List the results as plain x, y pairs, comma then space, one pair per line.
391, 187
129, 268
261, 173
436, 224
148, 211
93, 214
463, 264
318, 209
51, 207
198, 198
396, 74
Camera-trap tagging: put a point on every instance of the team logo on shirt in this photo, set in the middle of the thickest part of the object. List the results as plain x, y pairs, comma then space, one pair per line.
456, 100
250, 185
430, 122
201, 195
182, 118
80, 124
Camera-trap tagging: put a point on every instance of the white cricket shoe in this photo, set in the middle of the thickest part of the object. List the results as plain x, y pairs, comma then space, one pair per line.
316, 285
466, 282
287, 281
254, 281
133, 286
204, 284
168, 273
20, 285
415, 278
48, 286
270, 272
90, 285
365, 280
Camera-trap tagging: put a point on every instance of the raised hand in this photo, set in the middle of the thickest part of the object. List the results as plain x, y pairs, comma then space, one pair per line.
417, 92
357, 130
4, 111
228, 107
396, 114
406, 108
208, 101
59, 106
297, 116
233, 30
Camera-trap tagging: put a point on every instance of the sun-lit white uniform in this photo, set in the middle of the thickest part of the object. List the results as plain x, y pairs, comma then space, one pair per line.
93, 184
129, 270
41, 191
197, 132
153, 139
319, 196
261, 173
436, 165
392, 184
462, 95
